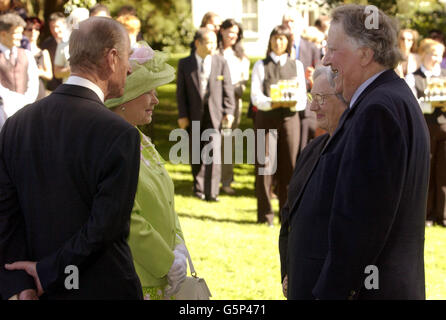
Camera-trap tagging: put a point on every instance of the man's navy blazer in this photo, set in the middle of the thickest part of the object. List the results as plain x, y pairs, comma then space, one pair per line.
365, 203
68, 174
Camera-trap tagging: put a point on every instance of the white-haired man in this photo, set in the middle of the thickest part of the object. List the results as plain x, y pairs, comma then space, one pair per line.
365, 200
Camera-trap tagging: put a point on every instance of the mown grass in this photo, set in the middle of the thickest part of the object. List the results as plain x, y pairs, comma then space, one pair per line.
238, 258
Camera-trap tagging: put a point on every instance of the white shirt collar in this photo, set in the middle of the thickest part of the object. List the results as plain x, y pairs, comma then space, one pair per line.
363, 86
79, 81
436, 72
279, 59
6, 51
207, 59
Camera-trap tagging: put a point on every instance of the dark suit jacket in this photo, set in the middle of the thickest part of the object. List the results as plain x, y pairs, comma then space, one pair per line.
365, 202
68, 175
220, 90
305, 162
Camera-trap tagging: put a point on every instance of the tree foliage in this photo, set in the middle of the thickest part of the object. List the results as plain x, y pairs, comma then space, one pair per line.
421, 15
165, 24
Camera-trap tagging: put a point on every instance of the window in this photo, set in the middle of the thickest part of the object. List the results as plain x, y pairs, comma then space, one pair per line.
250, 19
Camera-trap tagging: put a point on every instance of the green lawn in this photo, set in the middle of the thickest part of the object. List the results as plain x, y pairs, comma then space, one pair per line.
238, 258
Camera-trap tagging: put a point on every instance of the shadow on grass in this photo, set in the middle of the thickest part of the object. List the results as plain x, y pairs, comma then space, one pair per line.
214, 219
185, 188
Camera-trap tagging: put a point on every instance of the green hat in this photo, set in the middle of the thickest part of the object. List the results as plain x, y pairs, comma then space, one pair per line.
149, 71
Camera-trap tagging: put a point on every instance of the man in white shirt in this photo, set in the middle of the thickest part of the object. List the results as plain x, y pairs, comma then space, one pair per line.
19, 81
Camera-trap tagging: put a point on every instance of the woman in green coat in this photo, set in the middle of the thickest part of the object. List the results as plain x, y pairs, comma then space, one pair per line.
156, 239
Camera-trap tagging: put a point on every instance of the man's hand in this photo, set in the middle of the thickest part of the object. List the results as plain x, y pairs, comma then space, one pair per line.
229, 119
183, 123
28, 294
30, 268
285, 286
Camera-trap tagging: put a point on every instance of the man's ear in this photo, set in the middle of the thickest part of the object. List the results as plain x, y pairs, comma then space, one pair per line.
196, 43
367, 55
112, 59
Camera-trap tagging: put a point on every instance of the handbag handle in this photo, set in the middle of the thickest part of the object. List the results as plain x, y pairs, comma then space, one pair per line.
191, 265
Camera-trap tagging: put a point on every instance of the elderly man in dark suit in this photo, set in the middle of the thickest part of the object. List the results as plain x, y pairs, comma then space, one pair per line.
205, 95
68, 175
357, 225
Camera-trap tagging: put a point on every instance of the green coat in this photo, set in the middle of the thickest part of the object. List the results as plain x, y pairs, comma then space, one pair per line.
154, 223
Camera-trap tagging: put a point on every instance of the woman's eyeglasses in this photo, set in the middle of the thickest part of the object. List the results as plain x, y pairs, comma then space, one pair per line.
319, 98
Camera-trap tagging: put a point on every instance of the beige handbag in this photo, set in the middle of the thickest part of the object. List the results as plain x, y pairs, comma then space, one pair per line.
193, 288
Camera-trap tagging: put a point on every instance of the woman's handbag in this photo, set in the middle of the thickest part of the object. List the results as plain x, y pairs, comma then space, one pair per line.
193, 288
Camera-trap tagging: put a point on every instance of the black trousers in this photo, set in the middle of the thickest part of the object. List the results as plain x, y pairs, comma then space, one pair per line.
288, 138
206, 176
436, 200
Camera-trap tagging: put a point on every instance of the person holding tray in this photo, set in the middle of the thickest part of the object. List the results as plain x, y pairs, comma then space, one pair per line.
278, 92
431, 53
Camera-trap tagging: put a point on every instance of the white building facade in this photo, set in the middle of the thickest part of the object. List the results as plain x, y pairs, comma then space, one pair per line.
258, 17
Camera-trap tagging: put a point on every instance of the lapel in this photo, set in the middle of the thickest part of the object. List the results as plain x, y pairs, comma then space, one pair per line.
214, 70
193, 69
386, 76
77, 91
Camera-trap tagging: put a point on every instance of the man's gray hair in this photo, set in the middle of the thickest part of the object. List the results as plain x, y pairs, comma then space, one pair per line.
383, 41
90, 42
11, 20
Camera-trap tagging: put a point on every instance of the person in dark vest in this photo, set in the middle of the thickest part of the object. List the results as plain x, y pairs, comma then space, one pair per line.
431, 53
205, 94
307, 53
19, 75
284, 117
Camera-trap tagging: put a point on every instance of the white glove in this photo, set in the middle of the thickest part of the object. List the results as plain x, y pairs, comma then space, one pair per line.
177, 273
181, 248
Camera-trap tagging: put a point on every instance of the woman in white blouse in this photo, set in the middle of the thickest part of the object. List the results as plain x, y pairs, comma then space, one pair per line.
230, 46
285, 78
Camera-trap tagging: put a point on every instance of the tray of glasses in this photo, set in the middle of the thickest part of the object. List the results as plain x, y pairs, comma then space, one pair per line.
428, 104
